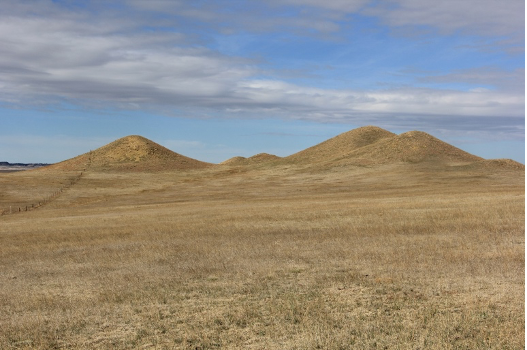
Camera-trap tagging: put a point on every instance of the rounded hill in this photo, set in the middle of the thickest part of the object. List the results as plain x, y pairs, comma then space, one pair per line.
341, 145
131, 153
410, 147
259, 158
238, 160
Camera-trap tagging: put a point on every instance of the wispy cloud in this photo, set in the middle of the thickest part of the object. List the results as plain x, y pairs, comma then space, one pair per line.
494, 77
480, 17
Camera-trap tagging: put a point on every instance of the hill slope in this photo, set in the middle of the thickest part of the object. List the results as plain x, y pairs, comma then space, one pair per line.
504, 164
131, 153
340, 145
259, 158
372, 145
409, 147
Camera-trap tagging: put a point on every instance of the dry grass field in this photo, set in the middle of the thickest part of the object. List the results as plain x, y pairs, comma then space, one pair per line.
266, 256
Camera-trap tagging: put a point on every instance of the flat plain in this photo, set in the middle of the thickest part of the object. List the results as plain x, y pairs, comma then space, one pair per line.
358, 251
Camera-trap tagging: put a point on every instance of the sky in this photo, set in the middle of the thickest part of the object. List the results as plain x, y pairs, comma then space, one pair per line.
214, 79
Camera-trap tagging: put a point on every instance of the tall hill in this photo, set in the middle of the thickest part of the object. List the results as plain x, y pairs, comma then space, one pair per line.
371, 145
131, 153
410, 147
340, 145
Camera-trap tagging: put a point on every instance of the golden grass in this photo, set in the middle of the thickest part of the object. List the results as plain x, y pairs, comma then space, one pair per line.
393, 257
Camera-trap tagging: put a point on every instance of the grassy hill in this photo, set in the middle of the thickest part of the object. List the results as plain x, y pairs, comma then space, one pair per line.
365, 146
259, 158
131, 153
340, 145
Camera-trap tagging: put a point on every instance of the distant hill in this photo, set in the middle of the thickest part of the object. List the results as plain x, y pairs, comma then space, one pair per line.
9, 167
496, 164
256, 159
131, 153
23, 164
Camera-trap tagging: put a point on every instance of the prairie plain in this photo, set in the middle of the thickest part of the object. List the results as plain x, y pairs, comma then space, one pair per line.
266, 255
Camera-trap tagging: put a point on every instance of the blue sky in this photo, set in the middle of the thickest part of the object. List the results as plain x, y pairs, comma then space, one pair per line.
217, 79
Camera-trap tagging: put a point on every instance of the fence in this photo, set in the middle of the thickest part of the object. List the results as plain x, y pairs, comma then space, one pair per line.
18, 209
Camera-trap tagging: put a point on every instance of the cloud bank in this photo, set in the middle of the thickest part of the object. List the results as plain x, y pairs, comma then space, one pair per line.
157, 55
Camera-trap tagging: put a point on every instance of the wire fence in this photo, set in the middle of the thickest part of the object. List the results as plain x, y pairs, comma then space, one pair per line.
13, 209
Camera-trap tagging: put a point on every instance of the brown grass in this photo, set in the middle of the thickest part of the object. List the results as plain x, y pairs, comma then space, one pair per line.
388, 257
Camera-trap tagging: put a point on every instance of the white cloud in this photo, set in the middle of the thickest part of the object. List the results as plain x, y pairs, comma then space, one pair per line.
48, 53
394, 102
54, 58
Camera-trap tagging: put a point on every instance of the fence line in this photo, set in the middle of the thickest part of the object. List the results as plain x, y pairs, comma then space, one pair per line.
72, 181
18, 209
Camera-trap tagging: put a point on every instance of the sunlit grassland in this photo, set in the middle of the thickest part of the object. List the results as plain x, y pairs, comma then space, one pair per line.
385, 258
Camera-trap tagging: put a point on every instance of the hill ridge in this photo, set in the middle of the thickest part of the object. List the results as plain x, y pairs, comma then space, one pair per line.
364, 146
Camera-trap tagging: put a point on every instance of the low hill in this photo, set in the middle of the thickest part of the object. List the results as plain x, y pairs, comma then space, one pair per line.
259, 158
504, 164
131, 153
238, 160
340, 145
